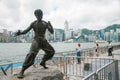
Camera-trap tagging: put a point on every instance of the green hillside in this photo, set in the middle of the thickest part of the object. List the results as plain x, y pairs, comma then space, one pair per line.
111, 27
86, 31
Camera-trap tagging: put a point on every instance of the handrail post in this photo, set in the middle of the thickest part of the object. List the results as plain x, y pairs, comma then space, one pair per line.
65, 61
116, 70
96, 76
11, 68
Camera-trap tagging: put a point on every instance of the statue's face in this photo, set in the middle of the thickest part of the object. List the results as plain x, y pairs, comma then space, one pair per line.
39, 16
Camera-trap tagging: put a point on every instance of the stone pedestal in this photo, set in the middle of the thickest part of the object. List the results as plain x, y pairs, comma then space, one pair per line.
37, 74
44, 74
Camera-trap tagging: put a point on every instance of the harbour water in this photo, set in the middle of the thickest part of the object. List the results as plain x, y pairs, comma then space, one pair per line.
14, 52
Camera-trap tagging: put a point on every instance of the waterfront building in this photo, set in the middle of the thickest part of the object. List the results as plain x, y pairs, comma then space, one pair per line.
111, 35
10, 36
51, 38
86, 38
66, 26
118, 32
107, 36
71, 33
97, 33
101, 32
66, 29
3, 35
58, 35
115, 37
91, 38
118, 36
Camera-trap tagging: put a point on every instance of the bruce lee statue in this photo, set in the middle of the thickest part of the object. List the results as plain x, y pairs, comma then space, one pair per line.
39, 27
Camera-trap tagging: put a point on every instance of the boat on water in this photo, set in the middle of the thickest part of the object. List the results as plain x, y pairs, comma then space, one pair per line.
100, 41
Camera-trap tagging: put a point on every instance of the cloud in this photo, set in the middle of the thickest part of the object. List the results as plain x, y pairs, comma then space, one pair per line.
91, 14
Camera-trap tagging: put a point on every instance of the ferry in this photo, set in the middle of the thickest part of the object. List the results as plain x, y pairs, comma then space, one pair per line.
100, 41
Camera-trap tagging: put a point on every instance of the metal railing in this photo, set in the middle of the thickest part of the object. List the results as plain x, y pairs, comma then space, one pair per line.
91, 76
107, 72
68, 65
9, 67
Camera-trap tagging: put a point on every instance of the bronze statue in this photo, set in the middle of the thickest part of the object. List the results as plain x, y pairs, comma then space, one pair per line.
39, 26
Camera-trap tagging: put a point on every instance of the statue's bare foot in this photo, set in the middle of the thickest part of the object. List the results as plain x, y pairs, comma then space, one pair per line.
43, 64
20, 76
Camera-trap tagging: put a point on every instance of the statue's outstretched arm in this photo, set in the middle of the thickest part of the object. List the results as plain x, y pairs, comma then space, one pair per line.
25, 31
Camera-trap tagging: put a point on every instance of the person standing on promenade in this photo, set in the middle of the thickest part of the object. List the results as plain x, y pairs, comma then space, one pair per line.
39, 27
110, 48
78, 49
97, 49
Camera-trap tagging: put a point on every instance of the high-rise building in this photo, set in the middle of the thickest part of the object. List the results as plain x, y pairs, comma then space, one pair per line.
58, 35
66, 30
115, 37
118, 32
107, 36
102, 34
66, 26
4, 35
111, 35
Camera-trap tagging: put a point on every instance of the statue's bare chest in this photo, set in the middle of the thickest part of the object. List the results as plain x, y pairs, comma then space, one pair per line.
40, 26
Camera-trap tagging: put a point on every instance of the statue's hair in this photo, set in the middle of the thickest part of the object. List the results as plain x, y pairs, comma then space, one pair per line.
38, 11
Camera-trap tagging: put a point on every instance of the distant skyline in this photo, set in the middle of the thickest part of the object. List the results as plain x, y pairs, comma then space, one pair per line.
90, 14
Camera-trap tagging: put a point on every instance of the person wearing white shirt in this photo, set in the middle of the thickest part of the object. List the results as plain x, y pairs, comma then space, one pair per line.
78, 49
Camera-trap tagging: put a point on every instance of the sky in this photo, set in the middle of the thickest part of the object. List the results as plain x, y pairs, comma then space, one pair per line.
90, 14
